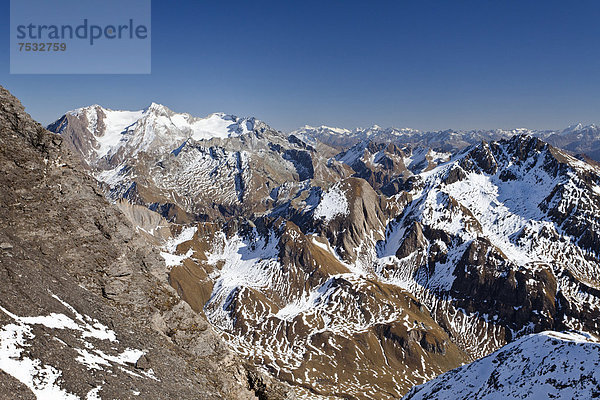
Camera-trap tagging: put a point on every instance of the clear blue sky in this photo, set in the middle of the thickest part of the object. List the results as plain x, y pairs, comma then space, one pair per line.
421, 64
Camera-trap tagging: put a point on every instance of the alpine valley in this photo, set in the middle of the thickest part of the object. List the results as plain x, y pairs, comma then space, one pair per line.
160, 253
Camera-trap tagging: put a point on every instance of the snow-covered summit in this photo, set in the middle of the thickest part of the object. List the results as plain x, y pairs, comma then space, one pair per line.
107, 132
580, 128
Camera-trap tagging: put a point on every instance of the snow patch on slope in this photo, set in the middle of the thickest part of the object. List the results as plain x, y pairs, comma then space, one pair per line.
170, 247
115, 124
218, 125
42, 379
246, 263
332, 204
307, 303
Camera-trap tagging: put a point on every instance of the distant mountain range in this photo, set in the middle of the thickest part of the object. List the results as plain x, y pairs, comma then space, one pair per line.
108, 125
576, 139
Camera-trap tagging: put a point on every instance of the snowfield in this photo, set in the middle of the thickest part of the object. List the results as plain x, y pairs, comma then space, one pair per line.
332, 204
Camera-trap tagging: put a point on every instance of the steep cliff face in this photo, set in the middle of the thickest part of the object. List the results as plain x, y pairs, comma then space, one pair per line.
86, 310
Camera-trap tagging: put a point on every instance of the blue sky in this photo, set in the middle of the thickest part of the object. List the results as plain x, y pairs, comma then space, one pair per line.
420, 64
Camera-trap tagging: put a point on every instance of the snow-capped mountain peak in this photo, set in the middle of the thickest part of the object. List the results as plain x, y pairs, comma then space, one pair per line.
575, 127
109, 132
156, 107
580, 128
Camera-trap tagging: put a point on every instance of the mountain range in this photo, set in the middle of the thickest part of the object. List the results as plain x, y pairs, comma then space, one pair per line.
577, 139
399, 256
322, 263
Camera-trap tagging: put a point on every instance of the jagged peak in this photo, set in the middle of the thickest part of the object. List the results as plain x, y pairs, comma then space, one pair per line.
520, 148
157, 108
520, 145
579, 127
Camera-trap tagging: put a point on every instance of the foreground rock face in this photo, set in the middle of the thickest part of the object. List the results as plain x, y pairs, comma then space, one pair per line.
85, 305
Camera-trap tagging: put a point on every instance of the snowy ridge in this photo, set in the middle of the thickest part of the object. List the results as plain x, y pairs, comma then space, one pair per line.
132, 132
511, 213
547, 365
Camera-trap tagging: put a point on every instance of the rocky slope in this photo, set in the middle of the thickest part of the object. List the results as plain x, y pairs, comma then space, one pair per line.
493, 244
85, 308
